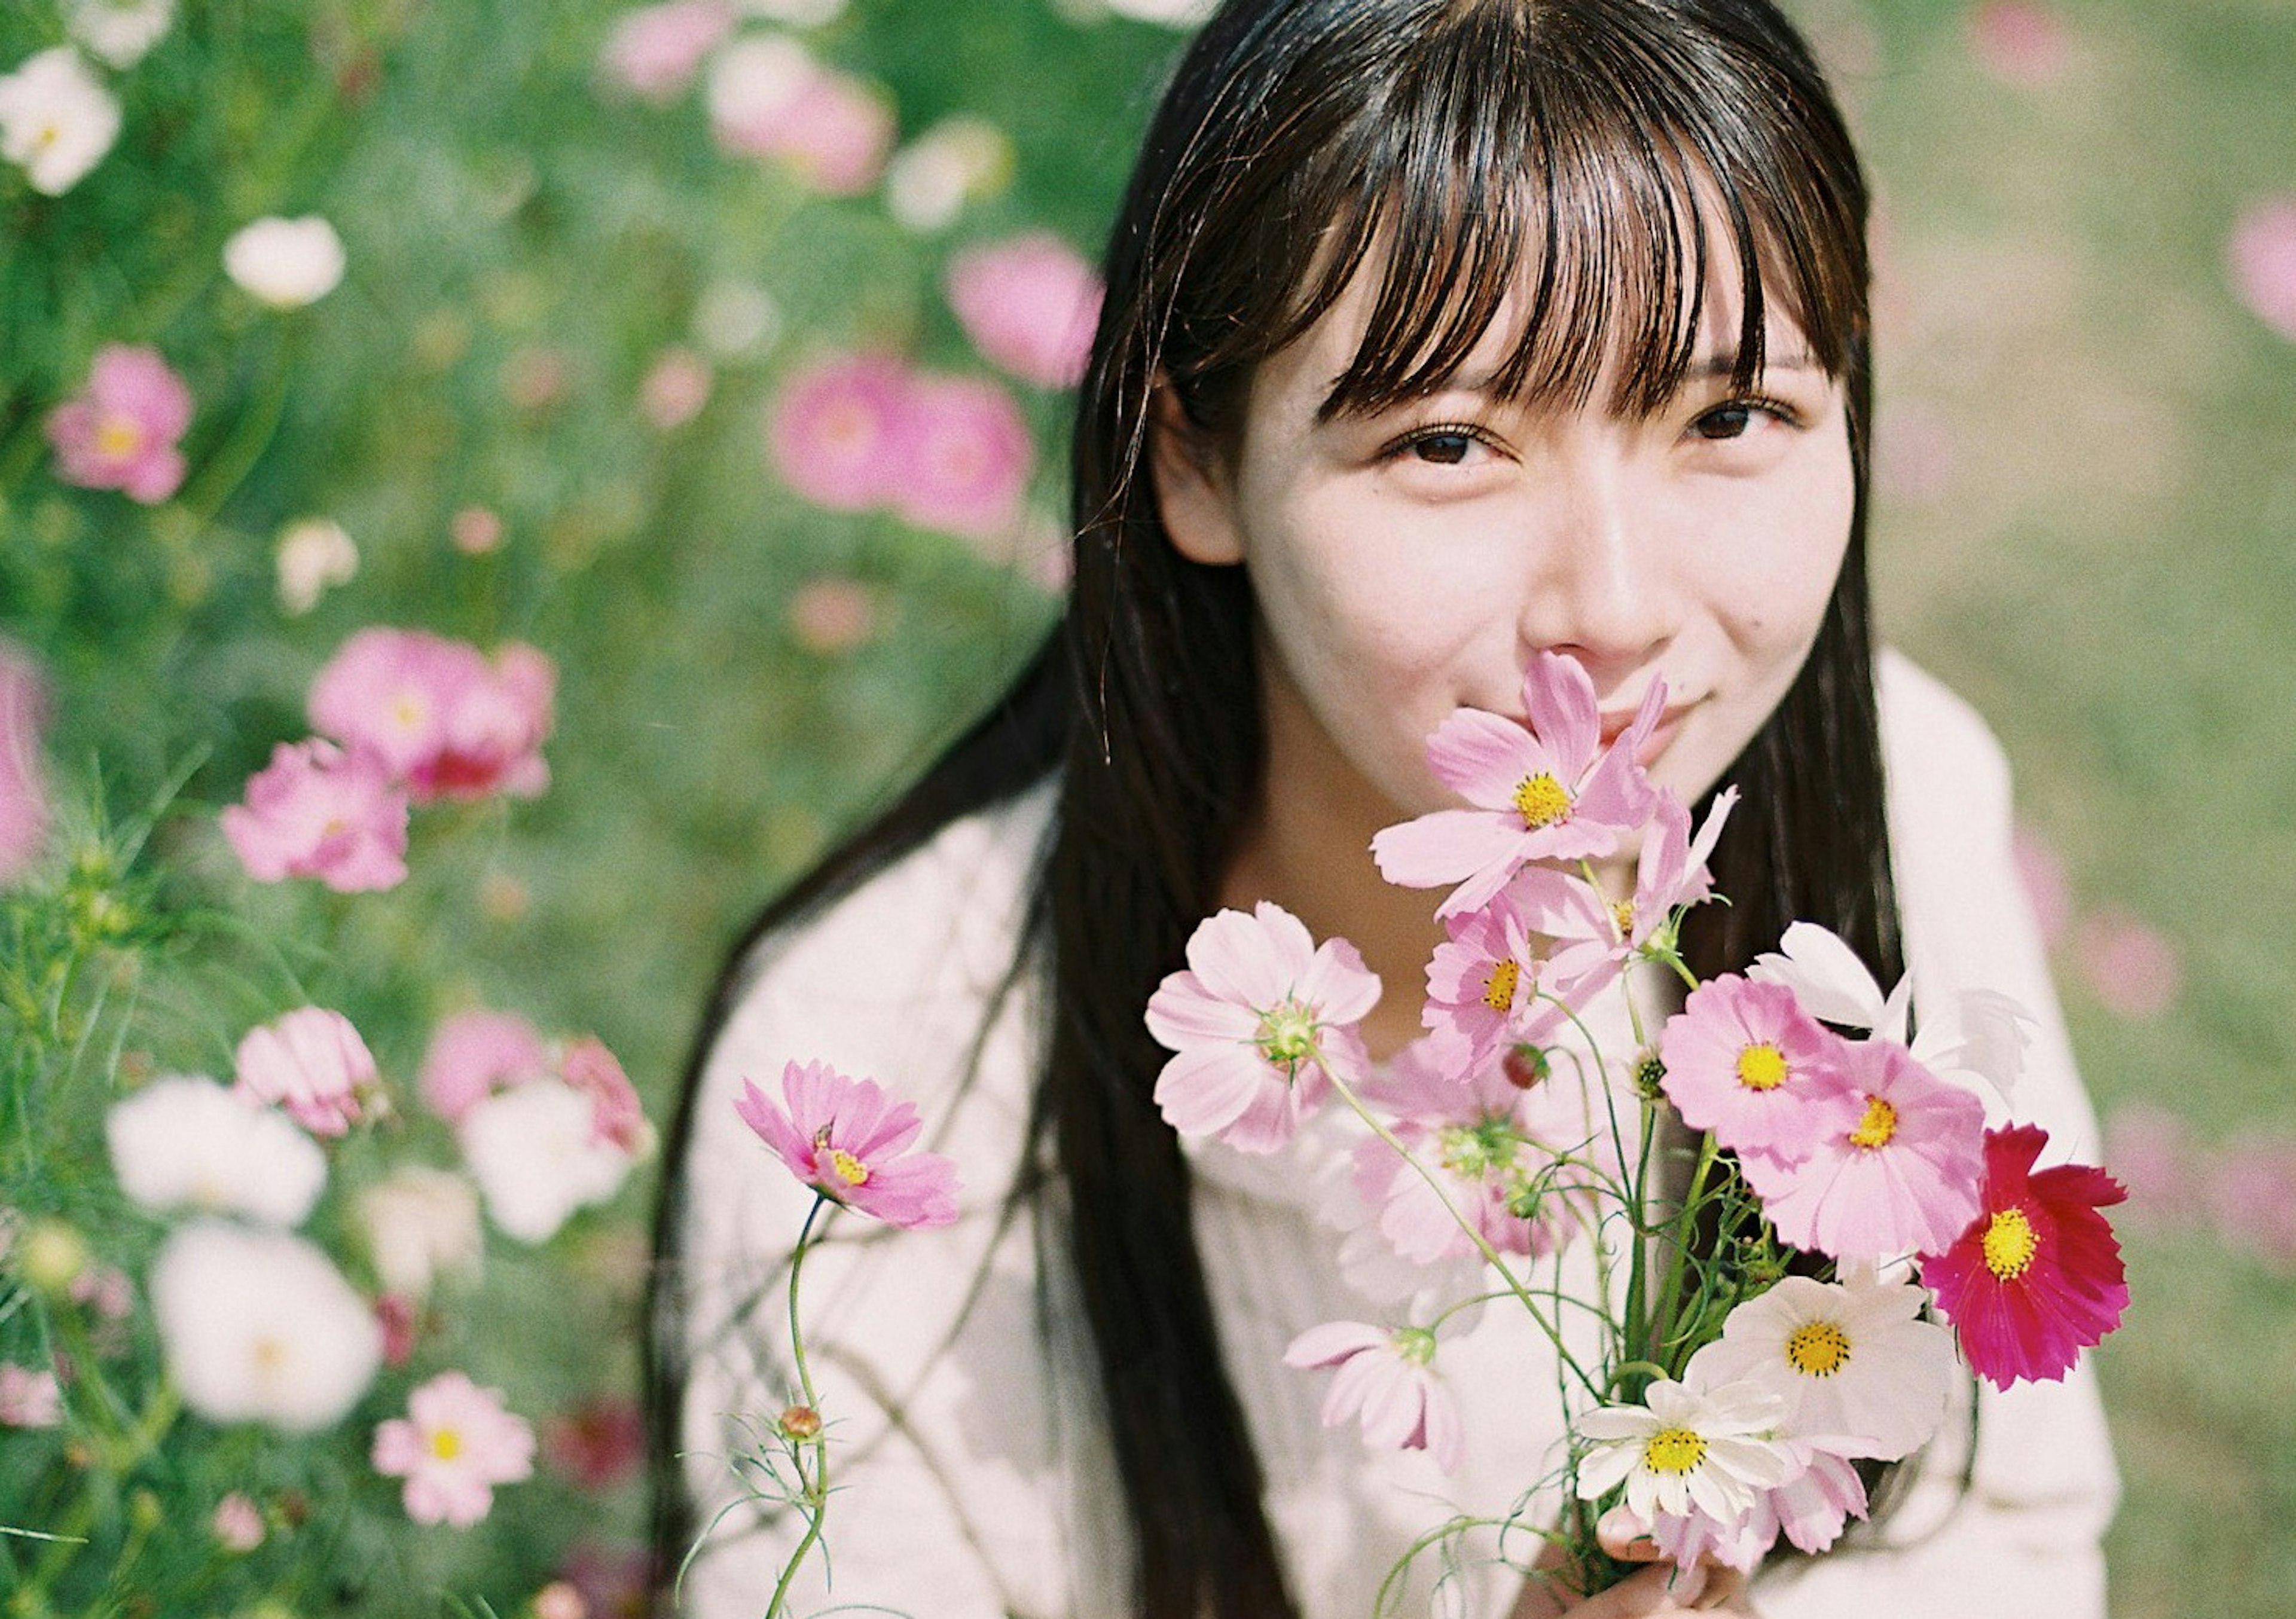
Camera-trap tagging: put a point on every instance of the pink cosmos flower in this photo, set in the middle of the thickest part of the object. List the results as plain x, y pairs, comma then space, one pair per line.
1743, 1060
2037, 1276
475, 1054
1822, 1492
597, 1443
675, 388
1486, 981
1494, 1149
616, 1118
1261, 1021
313, 1063
1900, 1176
1545, 791
769, 99
121, 433
838, 433
850, 1142
1030, 305
238, 1523
456, 1443
446, 721
2151, 1157
654, 51
317, 811
23, 786
2252, 1200
833, 616
2021, 42
964, 457
2262, 257
1387, 1378
29, 1398
2131, 967
2048, 889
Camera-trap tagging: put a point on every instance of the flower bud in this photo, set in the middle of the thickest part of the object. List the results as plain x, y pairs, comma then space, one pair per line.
801, 1422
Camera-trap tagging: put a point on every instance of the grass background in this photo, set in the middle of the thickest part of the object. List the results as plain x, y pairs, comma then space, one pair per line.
2088, 492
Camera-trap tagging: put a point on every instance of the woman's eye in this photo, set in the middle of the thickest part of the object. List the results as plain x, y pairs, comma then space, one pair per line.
1725, 421
1439, 447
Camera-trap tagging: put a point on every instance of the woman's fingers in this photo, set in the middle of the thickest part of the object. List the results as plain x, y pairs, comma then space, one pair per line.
1623, 1534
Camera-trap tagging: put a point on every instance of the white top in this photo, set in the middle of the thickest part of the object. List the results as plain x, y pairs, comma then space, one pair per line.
970, 1481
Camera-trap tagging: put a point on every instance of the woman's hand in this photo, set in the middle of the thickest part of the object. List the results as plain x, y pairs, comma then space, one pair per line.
1660, 1591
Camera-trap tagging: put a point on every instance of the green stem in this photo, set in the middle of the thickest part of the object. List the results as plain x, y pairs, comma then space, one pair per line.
814, 1496
1707, 1150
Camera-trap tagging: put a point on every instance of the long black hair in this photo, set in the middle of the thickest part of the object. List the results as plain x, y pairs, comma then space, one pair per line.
1457, 152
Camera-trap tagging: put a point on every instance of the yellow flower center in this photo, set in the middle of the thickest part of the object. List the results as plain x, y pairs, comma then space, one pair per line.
2009, 1244
1623, 917
850, 1169
1675, 1450
408, 711
118, 437
1879, 1125
1499, 989
1541, 800
445, 1444
1817, 1349
1287, 1033
1761, 1068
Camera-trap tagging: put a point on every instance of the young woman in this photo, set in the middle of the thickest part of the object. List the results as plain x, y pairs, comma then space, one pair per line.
1439, 333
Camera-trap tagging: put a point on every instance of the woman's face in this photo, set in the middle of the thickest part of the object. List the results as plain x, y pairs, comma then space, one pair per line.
1406, 563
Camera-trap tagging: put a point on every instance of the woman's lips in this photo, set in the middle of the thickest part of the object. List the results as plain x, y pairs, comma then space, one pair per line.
1669, 722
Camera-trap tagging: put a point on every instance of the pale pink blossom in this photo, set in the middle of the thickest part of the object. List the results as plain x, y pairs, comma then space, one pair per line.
1900, 1176
2251, 1198
1541, 788
832, 615
456, 1443
1821, 1493
1388, 1378
448, 721
56, 118
2262, 256
597, 1443
769, 99
560, 1599
2130, 965
475, 531
1743, 1060
1028, 304
1261, 1021
29, 1398
238, 1523
838, 433
2021, 42
2041, 874
675, 389
616, 1118
23, 776
474, 1054
122, 432
106, 1291
313, 1063
965, 454
851, 1142
654, 51
2149, 1154
1488, 987
319, 811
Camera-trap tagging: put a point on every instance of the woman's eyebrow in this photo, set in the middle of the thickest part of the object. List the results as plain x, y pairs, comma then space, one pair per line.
1727, 365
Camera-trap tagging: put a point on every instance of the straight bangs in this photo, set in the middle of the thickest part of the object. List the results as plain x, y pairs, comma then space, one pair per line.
1572, 178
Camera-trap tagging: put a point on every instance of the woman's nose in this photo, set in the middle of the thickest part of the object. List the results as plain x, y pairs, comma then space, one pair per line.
1597, 587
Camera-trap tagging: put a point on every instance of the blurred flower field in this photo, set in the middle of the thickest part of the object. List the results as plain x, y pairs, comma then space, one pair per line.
485, 491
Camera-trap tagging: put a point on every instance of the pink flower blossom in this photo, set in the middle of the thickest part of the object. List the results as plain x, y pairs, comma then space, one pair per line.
1743, 1060
1547, 790
2150, 1156
401, 1321
2048, 890
2251, 1198
965, 454
121, 433
1497, 1153
2130, 965
616, 1118
838, 433
2262, 258
1030, 305
238, 1523
446, 721
2021, 42
769, 99
2037, 1277
1388, 1378
597, 1443
675, 388
475, 1054
850, 1141
23, 784
1486, 982
456, 1443
313, 1063
1898, 1177
830, 617
1821, 1494
29, 1398
317, 811
1261, 1021
654, 51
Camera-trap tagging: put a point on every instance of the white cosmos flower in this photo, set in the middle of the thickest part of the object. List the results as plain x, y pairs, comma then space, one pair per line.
421, 1222
957, 160
1711, 1450
55, 119
315, 554
185, 1143
1852, 1360
120, 31
285, 263
534, 1152
259, 1327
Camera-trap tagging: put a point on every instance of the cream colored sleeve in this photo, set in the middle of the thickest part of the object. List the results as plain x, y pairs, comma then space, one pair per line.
2023, 1540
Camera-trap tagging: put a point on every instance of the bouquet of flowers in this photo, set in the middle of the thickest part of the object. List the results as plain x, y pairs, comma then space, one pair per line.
1788, 1216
